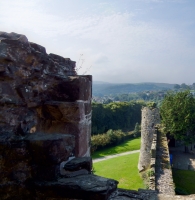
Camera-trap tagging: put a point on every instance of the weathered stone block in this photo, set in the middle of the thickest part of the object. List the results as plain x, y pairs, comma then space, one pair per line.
16, 191
47, 152
50, 148
14, 160
63, 111
79, 163
86, 187
81, 130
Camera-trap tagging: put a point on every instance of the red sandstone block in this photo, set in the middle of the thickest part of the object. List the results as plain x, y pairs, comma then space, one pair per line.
72, 89
49, 149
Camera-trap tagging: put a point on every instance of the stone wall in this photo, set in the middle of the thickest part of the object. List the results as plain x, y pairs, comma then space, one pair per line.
150, 117
40, 93
159, 169
160, 174
163, 172
154, 158
45, 115
152, 169
154, 153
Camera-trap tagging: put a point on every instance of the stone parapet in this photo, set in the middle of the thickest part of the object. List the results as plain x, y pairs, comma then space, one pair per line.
80, 187
164, 178
152, 170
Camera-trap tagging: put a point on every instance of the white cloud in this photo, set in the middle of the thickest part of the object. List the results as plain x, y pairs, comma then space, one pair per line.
117, 45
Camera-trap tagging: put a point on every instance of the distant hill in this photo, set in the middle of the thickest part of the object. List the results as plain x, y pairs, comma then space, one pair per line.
104, 88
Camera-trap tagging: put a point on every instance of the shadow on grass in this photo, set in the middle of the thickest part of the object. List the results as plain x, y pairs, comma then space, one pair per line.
184, 181
129, 145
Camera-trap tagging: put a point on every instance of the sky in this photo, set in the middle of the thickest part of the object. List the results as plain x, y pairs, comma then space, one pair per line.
116, 41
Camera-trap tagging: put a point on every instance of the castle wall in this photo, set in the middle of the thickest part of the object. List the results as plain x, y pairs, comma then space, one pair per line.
153, 166
150, 117
154, 154
45, 114
163, 172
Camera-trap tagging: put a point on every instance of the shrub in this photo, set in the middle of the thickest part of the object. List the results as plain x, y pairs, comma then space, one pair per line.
110, 138
137, 130
99, 141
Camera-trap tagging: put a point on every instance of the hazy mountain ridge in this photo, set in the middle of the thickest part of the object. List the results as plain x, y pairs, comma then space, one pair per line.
104, 88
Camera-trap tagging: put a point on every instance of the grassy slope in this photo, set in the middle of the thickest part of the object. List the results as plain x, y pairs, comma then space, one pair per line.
124, 147
123, 169
184, 180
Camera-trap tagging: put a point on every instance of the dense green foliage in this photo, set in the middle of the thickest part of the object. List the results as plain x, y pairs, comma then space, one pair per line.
184, 181
115, 115
178, 115
108, 139
137, 130
128, 145
123, 169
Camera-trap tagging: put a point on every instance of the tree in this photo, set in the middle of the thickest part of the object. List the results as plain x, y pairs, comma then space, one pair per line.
115, 115
151, 104
137, 130
178, 116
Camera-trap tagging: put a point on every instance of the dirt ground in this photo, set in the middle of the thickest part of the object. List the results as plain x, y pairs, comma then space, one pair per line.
182, 160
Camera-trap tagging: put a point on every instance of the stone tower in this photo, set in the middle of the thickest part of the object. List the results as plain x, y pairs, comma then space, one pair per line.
150, 117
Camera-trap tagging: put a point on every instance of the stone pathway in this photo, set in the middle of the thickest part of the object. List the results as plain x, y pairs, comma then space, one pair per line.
114, 155
181, 160
164, 180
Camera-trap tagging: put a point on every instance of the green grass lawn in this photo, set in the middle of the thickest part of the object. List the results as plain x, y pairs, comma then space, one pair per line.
123, 169
184, 180
130, 145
